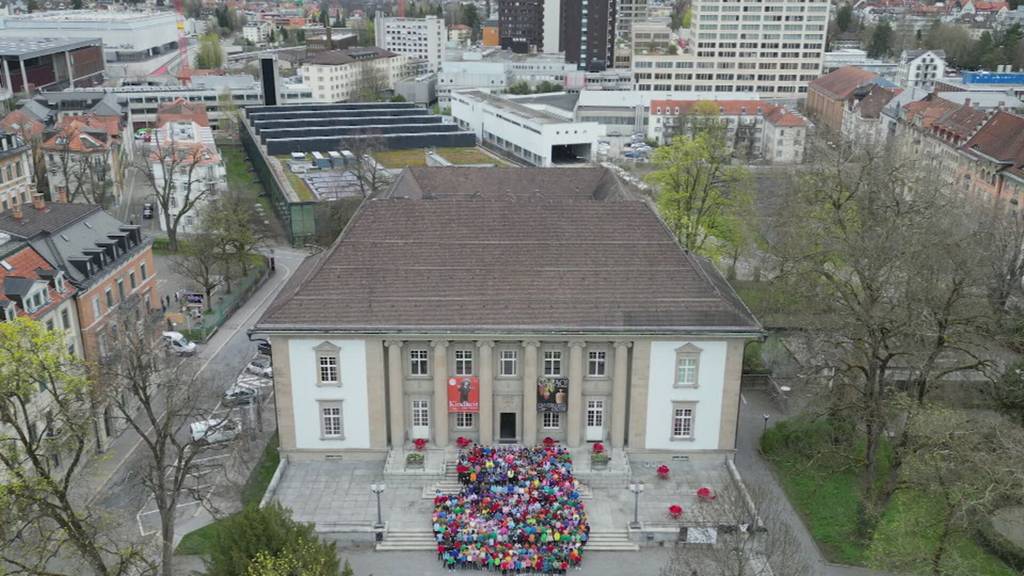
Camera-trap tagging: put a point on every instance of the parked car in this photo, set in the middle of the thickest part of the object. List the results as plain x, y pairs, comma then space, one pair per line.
261, 366
177, 343
147, 210
238, 396
215, 431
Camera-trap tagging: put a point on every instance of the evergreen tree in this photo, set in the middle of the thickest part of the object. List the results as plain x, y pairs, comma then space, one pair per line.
881, 41
844, 17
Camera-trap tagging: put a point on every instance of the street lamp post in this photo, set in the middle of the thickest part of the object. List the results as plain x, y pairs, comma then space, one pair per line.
378, 489
636, 488
766, 417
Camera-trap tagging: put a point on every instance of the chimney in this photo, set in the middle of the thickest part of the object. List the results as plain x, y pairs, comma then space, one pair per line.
62, 195
16, 211
38, 202
967, 102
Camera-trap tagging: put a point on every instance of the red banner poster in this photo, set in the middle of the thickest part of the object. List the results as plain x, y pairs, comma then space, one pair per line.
463, 394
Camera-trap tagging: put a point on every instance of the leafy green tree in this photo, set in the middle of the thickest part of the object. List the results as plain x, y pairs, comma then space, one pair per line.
546, 86
325, 15
210, 55
844, 17
881, 41
76, 4
270, 543
519, 87
471, 18
699, 191
46, 435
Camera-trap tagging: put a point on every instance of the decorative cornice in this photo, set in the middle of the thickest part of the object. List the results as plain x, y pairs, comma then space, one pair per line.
623, 343
439, 343
529, 343
577, 344
485, 343
393, 343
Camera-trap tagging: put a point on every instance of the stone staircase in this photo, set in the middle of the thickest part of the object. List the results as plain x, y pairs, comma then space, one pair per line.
612, 541
406, 540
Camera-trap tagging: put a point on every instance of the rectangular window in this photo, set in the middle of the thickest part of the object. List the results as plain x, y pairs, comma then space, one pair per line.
49, 325
682, 422
65, 319
687, 371
110, 298
420, 413
142, 271
131, 280
551, 420
418, 362
332, 424
328, 369
596, 363
120, 289
509, 359
595, 413
552, 363
463, 421
463, 362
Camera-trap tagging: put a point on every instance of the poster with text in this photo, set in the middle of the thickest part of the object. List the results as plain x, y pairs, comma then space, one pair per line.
463, 394
552, 394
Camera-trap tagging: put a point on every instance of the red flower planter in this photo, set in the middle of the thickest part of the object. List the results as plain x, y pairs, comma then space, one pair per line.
675, 511
663, 471
598, 448
420, 443
462, 441
549, 441
705, 494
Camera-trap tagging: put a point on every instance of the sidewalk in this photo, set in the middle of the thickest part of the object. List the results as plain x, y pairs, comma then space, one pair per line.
102, 468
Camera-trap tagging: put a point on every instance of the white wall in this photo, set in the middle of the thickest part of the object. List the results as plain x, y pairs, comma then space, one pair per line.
707, 396
305, 394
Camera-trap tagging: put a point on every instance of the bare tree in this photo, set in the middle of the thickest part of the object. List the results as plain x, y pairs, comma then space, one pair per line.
202, 262
371, 83
45, 437
158, 395
371, 175
751, 537
1002, 232
173, 170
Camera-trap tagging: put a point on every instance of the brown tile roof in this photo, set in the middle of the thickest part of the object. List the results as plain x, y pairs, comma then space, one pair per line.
348, 56
785, 118
507, 183
840, 83
871, 105
493, 264
22, 124
961, 123
923, 113
182, 110
1002, 139
28, 265
88, 133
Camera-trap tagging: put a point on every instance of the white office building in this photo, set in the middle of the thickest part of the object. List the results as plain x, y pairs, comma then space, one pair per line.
495, 70
773, 48
537, 134
921, 68
257, 32
417, 38
134, 43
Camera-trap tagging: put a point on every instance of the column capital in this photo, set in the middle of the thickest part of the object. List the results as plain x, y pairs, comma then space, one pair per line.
393, 343
623, 343
531, 343
577, 343
439, 343
485, 343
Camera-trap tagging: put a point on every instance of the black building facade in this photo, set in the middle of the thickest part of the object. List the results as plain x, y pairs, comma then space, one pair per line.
588, 33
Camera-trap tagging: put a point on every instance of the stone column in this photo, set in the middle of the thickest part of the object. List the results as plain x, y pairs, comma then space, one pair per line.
71, 71
619, 393
485, 419
7, 77
24, 78
396, 393
573, 428
440, 423
530, 392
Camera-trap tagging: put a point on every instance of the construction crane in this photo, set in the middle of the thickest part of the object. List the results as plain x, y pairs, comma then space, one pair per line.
184, 71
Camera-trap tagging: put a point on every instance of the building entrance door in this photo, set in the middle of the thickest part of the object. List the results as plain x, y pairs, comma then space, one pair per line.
507, 427
595, 420
421, 419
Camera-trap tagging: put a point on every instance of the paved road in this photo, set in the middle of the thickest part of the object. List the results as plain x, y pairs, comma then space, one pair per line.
112, 483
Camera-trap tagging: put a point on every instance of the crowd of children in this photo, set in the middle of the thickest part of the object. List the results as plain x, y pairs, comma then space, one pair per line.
519, 511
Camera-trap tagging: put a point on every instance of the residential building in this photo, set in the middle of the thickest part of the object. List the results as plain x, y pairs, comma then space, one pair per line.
863, 124
645, 355
459, 36
108, 262
490, 36
994, 155
416, 38
183, 132
627, 12
772, 48
86, 157
754, 130
537, 134
135, 43
827, 95
521, 26
588, 33
16, 169
841, 58
921, 68
258, 32
33, 64
342, 75
495, 70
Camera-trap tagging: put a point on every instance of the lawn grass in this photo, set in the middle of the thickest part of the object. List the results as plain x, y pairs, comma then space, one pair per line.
823, 484
395, 159
298, 184
401, 158
201, 542
470, 155
237, 167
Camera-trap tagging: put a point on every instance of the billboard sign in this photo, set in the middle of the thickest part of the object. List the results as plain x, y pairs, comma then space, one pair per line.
552, 394
463, 394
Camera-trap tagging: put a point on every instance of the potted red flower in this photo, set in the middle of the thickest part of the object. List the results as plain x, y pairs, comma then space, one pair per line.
705, 494
675, 511
462, 441
549, 442
420, 443
663, 471
598, 448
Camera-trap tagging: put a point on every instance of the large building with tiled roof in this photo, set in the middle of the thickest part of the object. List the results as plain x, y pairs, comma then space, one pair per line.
506, 306
85, 158
827, 95
995, 159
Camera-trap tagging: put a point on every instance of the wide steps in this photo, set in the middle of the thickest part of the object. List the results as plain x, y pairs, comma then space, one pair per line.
611, 542
406, 540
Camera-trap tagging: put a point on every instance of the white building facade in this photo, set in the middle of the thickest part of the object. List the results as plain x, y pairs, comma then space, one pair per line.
257, 32
339, 76
201, 174
921, 68
417, 38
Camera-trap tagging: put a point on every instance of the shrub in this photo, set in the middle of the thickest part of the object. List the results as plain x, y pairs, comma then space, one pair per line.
599, 458
414, 458
270, 531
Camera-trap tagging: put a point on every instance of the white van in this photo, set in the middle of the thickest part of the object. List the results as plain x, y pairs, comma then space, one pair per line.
214, 431
177, 343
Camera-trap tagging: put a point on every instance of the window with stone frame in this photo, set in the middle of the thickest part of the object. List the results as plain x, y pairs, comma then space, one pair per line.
552, 362
509, 362
687, 368
463, 421
683, 415
418, 362
551, 420
463, 362
328, 365
596, 363
332, 420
